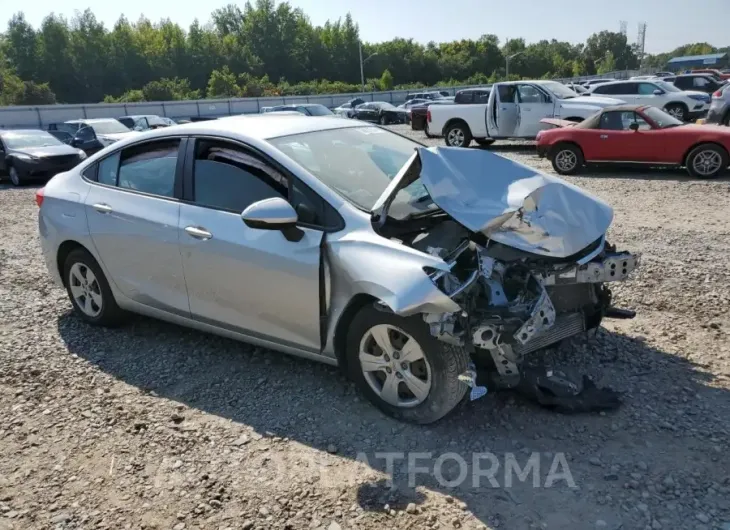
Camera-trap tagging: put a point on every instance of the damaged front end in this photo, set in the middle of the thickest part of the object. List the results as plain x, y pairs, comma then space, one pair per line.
528, 263
512, 308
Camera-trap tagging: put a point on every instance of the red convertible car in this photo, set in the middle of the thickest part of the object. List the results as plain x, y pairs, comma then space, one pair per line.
635, 134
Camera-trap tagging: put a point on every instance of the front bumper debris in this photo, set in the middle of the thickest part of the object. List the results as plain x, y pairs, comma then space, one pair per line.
616, 267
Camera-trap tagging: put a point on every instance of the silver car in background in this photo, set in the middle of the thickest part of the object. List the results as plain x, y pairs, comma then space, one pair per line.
337, 241
719, 113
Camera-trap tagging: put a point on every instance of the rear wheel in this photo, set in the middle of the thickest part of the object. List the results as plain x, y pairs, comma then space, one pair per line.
707, 161
89, 290
458, 135
402, 369
426, 132
567, 159
383, 120
676, 110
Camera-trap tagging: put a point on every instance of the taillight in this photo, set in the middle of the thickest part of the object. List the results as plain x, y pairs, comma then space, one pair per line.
717, 94
39, 197
428, 115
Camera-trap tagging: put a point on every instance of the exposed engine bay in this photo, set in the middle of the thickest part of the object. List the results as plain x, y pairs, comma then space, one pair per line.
515, 303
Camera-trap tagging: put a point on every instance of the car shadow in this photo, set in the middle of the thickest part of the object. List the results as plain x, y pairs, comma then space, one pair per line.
312, 404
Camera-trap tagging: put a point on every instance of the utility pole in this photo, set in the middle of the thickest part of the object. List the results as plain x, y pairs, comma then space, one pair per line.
362, 68
509, 58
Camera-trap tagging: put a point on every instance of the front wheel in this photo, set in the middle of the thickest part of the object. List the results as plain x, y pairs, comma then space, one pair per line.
567, 159
458, 135
402, 369
484, 142
15, 177
707, 161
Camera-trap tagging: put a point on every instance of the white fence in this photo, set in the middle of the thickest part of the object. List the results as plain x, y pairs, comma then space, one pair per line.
42, 115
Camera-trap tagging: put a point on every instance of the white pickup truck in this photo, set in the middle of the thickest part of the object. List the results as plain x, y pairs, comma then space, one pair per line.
514, 110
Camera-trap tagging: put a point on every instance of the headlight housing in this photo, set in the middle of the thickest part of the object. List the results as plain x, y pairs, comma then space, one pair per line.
23, 156
700, 97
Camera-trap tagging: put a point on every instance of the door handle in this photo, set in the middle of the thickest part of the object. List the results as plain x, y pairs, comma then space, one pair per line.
503, 108
604, 136
198, 233
102, 208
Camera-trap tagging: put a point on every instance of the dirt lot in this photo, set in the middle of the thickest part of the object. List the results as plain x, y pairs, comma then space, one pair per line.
155, 426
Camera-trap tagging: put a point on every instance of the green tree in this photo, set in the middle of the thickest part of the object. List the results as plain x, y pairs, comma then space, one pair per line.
386, 80
35, 94
222, 84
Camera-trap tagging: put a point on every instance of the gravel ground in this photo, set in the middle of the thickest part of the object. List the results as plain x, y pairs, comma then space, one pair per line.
156, 426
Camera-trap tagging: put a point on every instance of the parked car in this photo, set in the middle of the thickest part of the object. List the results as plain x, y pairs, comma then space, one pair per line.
719, 113
347, 109
308, 109
419, 114
698, 82
664, 74
592, 82
380, 112
432, 94
578, 89
640, 77
145, 122
291, 234
472, 95
713, 72
94, 134
31, 153
682, 104
514, 110
635, 134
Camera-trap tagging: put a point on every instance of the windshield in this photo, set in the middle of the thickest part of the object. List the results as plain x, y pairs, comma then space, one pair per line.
109, 127
667, 87
319, 110
560, 90
661, 118
24, 139
128, 122
358, 163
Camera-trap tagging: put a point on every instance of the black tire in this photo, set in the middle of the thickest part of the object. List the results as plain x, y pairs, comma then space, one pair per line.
559, 155
455, 131
706, 150
726, 119
16, 178
428, 134
678, 110
383, 119
110, 314
446, 363
484, 142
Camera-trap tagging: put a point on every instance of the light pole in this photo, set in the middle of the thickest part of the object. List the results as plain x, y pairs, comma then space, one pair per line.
362, 65
509, 58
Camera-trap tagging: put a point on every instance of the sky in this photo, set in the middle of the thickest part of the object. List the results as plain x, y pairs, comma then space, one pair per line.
670, 23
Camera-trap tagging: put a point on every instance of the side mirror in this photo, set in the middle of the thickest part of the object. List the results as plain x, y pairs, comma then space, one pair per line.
658, 92
634, 126
273, 214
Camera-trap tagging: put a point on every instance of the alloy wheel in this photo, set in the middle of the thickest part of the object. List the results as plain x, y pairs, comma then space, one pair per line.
676, 112
395, 366
85, 290
456, 137
707, 163
566, 160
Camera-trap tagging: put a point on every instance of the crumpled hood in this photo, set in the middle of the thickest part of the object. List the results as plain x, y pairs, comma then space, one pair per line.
512, 203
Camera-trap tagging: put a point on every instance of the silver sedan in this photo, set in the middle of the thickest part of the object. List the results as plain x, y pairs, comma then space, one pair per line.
337, 241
